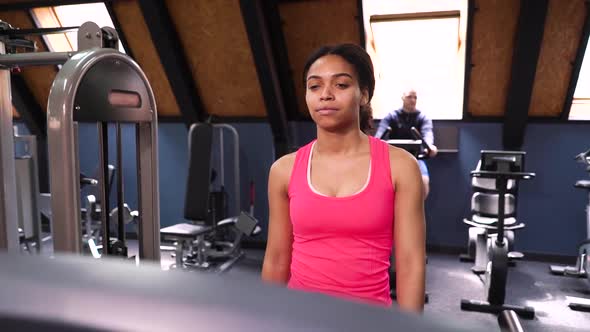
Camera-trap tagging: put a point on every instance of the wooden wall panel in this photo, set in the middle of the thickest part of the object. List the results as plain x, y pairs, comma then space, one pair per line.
494, 28
307, 25
138, 37
216, 44
39, 79
563, 29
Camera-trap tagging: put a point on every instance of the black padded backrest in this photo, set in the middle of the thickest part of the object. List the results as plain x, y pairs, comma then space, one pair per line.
487, 187
479, 184
196, 201
486, 205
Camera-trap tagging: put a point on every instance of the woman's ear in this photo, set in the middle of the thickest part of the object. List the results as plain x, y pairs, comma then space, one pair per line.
364, 97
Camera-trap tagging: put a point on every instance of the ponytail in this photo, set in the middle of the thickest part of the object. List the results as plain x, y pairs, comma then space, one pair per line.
366, 118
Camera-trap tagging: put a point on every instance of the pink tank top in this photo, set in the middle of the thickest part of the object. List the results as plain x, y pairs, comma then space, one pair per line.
342, 245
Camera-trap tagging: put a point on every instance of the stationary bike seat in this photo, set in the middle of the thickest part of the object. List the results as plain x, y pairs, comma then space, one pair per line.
583, 184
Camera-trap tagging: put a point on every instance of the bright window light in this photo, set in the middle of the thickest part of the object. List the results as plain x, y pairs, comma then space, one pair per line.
580, 109
418, 45
70, 15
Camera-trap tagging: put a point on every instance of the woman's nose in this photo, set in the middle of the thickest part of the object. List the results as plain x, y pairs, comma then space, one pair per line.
326, 94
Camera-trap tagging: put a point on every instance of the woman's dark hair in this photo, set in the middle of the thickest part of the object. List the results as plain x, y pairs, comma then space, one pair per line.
361, 61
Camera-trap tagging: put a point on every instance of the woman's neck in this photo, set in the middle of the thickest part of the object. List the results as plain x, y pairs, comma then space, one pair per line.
337, 143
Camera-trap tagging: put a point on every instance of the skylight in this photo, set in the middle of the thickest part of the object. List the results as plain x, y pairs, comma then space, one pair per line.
418, 45
580, 109
70, 15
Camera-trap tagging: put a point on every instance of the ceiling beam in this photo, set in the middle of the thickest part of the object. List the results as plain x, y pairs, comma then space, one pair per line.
266, 62
468, 64
173, 59
361, 22
281, 56
117, 26
527, 46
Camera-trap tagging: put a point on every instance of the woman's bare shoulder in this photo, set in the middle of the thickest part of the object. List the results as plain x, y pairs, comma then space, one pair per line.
401, 157
283, 166
401, 161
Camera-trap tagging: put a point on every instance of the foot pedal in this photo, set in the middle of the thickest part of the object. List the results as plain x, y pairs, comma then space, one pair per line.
557, 269
579, 307
478, 270
515, 255
575, 272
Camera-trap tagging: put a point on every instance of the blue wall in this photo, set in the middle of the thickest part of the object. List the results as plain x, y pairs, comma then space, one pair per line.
173, 170
552, 209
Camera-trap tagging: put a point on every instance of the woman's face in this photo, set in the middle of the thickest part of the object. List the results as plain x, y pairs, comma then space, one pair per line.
333, 95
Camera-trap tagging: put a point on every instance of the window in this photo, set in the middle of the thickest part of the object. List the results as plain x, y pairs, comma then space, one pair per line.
70, 16
580, 109
418, 45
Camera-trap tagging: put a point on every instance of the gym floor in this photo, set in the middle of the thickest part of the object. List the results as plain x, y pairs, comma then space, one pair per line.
448, 281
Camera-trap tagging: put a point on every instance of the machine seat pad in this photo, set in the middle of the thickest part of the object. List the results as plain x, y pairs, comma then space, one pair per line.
185, 230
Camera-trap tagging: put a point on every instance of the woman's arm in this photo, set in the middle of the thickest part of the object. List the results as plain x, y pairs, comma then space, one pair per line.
409, 231
277, 258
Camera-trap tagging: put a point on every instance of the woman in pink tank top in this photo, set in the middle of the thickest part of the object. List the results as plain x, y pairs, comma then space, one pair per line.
343, 202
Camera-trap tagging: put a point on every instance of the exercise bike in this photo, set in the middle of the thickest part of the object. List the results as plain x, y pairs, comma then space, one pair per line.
582, 267
416, 146
484, 211
502, 166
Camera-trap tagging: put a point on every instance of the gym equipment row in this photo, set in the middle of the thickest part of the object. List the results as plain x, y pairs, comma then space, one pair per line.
493, 218
97, 84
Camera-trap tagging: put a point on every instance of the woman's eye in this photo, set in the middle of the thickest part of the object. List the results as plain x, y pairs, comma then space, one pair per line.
342, 85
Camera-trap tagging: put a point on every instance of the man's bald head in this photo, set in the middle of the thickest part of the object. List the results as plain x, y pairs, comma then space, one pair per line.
409, 98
